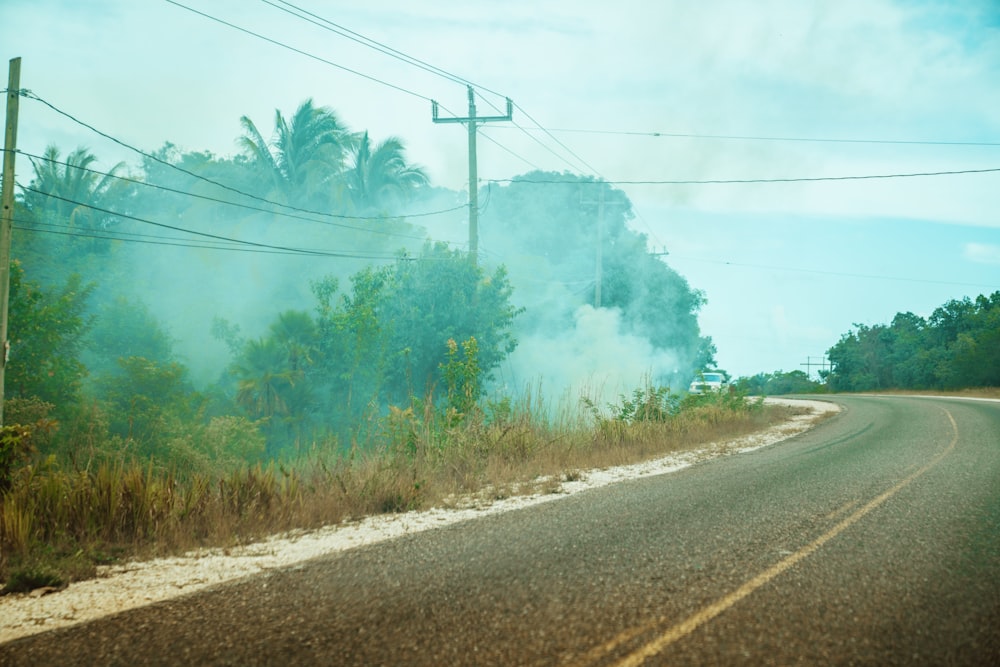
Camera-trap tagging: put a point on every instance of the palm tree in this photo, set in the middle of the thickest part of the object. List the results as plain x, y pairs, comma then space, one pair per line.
264, 378
63, 192
306, 155
296, 333
381, 177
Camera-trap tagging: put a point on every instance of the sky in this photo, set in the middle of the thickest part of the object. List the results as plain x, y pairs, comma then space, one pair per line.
626, 91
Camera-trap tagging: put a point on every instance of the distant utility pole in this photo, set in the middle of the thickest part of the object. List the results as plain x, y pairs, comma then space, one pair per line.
822, 363
7, 217
599, 255
472, 121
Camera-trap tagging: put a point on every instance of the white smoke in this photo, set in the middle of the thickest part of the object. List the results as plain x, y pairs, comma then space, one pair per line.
594, 357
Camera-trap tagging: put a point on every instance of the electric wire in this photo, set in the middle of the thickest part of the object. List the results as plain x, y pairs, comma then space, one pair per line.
737, 181
738, 137
218, 237
299, 51
126, 237
508, 150
335, 28
248, 206
32, 96
357, 37
553, 137
388, 50
830, 273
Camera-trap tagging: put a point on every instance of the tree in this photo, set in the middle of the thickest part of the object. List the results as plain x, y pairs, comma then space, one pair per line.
439, 297
382, 177
63, 192
303, 162
66, 208
46, 330
125, 328
778, 383
149, 403
957, 346
264, 378
546, 228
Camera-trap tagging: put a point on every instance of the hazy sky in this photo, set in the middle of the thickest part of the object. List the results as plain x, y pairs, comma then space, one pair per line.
786, 267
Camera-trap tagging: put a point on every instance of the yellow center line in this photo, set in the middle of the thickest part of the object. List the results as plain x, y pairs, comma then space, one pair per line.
706, 614
843, 509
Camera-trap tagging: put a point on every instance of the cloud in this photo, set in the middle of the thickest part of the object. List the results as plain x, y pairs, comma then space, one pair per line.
982, 253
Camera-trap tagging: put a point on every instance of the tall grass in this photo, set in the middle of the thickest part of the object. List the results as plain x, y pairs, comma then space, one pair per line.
71, 520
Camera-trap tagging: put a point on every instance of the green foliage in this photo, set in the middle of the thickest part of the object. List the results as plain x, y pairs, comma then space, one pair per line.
47, 329
646, 404
957, 346
463, 377
24, 580
391, 338
149, 404
15, 451
303, 163
440, 297
68, 197
381, 177
779, 383
125, 328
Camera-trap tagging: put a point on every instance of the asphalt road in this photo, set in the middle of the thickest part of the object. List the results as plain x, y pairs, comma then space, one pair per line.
873, 539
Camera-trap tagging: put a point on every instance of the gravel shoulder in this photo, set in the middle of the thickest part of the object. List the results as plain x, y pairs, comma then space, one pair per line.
127, 586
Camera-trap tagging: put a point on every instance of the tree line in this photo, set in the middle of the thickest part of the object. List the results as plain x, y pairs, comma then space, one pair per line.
95, 371
958, 346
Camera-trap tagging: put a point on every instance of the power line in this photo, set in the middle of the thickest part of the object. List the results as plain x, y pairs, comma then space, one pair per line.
30, 95
299, 51
383, 48
352, 35
550, 135
502, 147
828, 273
217, 237
254, 208
207, 246
126, 237
738, 137
335, 28
735, 181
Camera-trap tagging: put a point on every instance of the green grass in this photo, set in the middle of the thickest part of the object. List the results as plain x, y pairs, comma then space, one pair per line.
58, 524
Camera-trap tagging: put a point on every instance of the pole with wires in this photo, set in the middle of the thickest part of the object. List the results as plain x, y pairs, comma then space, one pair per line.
473, 121
7, 219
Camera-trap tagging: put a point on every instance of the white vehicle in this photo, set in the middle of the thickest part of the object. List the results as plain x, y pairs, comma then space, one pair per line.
708, 381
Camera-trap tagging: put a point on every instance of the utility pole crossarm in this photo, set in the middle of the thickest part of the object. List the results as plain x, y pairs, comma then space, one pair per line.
477, 119
471, 121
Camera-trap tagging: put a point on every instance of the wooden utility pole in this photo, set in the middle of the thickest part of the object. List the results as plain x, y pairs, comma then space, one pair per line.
7, 218
599, 271
599, 254
822, 363
472, 121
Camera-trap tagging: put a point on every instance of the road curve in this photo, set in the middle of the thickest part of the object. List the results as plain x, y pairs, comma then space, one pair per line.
872, 539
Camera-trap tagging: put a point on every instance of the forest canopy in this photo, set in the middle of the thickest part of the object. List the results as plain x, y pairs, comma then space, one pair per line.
957, 346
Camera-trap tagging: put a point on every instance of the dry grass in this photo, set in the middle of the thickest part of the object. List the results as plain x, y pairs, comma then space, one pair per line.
54, 520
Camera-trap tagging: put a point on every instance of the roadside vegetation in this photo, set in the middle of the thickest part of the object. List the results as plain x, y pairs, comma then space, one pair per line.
956, 348
59, 520
955, 351
207, 349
